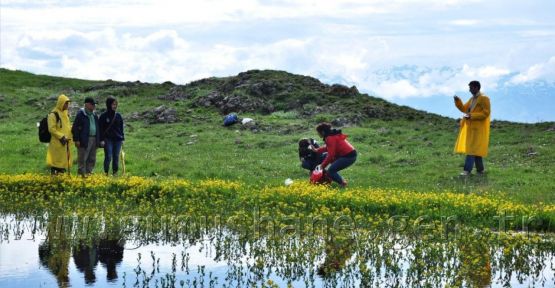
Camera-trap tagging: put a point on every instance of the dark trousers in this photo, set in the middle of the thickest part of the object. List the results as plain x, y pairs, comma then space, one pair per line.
111, 154
338, 165
86, 157
469, 163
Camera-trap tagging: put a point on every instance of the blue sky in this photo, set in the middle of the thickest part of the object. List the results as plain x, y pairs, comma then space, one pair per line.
416, 52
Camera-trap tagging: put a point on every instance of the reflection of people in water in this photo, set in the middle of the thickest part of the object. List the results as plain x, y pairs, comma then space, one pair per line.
107, 252
110, 254
54, 254
86, 258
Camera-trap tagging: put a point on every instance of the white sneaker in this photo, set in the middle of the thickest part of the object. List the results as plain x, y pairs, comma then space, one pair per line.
464, 173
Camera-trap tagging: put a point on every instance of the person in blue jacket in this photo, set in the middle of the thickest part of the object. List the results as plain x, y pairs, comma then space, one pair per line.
85, 132
111, 135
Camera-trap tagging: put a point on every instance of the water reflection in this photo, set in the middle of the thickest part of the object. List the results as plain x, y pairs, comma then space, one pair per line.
366, 258
85, 259
57, 249
108, 252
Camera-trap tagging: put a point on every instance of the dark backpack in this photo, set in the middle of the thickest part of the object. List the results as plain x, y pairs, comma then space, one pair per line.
44, 134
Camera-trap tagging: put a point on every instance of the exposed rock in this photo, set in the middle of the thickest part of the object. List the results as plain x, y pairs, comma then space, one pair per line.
342, 90
113, 84
206, 81
375, 112
73, 108
235, 103
341, 121
164, 114
176, 93
264, 88
69, 91
230, 84
160, 114
210, 100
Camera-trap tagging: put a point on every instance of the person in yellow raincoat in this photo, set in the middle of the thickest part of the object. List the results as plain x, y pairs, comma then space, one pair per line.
473, 139
58, 156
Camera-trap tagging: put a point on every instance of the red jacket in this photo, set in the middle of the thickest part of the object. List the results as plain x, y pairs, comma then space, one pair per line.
336, 146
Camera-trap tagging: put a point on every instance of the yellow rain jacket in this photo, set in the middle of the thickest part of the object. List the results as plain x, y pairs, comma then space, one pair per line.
474, 132
57, 154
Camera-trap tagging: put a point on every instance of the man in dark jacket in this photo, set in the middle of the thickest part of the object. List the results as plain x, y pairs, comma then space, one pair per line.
86, 133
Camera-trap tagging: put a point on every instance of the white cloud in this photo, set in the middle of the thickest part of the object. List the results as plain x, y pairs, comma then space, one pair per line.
165, 55
537, 33
406, 82
399, 88
465, 22
491, 71
538, 72
27, 15
159, 56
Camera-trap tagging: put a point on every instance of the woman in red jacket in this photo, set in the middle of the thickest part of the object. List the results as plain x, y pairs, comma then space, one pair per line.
341, 154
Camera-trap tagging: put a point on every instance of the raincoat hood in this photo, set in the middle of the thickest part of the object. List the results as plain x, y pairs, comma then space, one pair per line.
62, 99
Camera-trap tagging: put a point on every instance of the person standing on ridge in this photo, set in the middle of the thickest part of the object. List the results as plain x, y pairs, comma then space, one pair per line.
473, 139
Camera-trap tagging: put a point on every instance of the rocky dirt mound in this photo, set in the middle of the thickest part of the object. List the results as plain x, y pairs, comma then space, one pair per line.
176, 93
160, 114
235, 103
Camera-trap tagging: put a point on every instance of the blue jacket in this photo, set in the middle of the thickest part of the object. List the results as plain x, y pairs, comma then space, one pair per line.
113, 131
81, 126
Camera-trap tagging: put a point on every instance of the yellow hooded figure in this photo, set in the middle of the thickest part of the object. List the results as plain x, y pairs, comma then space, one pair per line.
474, 131
59, 154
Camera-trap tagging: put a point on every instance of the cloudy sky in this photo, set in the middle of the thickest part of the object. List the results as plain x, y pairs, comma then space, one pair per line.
414, 52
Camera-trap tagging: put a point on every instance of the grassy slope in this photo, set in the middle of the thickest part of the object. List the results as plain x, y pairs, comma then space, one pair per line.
413, 153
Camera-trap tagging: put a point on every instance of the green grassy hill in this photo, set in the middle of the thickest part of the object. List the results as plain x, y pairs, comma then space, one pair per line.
176, 130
